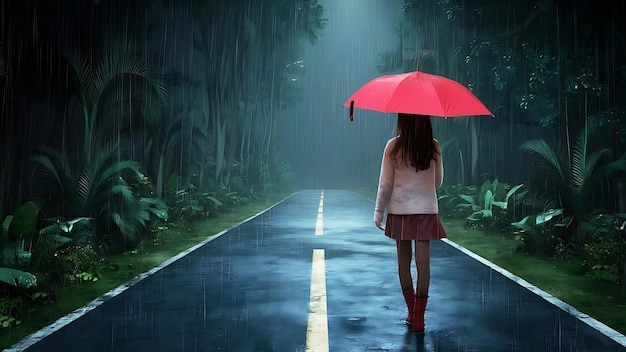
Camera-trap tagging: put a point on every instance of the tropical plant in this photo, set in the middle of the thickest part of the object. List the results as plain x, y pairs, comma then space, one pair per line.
105, 191
59, 234
572, 183
540, 233
482, 203
275, 175
190, 204
23, 245
17, 278
13, 284
193, 204
98, 86
9, 311
18, 232
81, 263
604, 257
450, 200
167, 141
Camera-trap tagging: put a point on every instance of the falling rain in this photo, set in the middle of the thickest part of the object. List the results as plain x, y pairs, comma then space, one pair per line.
190, 176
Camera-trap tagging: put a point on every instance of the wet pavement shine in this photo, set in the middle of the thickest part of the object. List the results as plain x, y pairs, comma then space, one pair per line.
312, 273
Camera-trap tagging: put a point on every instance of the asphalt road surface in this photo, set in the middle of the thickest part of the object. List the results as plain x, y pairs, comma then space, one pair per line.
312, 273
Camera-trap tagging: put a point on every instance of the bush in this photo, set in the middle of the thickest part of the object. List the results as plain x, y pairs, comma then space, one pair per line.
541, 233
603, 258
9, 312
81, 263
543, 242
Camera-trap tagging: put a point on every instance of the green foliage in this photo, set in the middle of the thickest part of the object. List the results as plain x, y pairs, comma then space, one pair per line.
156, 207
81, 263
57, 235
275, 174
538, 99
21, 227
540, 233
194, 205
24, 221
603, 259
187, 205
5, 228
604, 255
98, 84
9, 312
107, 191
488, 205
571, 184
610, 124
451, 202
17, 278
171, 189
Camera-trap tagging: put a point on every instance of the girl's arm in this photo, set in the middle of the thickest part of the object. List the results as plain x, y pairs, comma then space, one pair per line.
385, 184
438, 165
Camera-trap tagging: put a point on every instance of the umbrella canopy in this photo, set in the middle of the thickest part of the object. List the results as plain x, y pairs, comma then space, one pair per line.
417, 93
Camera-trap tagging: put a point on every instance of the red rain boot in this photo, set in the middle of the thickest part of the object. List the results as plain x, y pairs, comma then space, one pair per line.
409, 298
419, 307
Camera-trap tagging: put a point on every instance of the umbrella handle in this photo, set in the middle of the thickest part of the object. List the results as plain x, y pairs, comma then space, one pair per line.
352, 111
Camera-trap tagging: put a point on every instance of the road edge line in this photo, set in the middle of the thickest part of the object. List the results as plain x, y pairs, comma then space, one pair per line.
48, 330
585, 318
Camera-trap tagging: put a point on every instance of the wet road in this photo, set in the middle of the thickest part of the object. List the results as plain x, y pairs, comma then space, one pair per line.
260, 287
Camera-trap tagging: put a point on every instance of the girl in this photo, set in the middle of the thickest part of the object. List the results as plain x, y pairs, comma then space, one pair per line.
410, 173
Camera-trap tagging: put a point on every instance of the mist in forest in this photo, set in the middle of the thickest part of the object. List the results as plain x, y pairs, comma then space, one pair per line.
325, 149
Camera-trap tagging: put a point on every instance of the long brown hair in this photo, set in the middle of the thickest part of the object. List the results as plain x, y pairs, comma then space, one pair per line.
415, 140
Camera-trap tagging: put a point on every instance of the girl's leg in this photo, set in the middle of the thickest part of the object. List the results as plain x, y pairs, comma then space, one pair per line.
405, 256
422, 263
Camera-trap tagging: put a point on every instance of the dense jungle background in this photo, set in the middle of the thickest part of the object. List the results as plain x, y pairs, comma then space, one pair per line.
120, 117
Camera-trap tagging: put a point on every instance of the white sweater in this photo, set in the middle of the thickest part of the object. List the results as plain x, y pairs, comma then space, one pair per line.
403, 191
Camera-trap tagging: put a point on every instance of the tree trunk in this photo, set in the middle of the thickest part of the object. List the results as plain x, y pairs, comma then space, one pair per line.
159, 180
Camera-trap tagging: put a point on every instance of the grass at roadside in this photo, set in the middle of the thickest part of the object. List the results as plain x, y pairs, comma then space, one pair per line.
177, 238
603, 301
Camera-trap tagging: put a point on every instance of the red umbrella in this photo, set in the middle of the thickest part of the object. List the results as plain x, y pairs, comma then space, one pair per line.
417, 93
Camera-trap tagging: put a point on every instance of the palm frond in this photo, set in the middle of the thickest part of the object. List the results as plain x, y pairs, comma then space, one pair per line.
548, 160
608, 171
84, 185
55, 167
49, 166
113, 169
579, 156
84, 80
593, 165
124, 191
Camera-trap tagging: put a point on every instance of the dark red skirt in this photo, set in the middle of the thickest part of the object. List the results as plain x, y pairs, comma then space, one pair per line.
421, 227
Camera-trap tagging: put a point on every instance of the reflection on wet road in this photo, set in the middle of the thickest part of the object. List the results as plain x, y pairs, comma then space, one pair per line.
316, 265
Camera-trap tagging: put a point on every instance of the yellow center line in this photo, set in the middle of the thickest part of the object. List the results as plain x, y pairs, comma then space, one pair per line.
317, 329
319, 225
